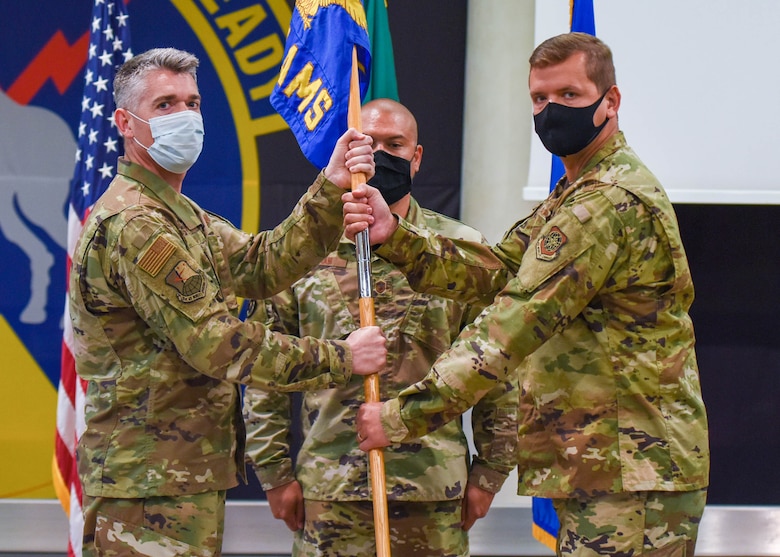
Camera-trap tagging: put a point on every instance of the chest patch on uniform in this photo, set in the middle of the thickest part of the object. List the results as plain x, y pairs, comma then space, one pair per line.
548, 246
156, 256
190, 285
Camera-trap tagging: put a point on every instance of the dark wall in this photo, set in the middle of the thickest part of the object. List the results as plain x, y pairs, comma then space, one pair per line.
734, 254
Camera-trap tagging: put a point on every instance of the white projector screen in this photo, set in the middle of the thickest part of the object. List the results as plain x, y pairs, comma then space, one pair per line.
700, 82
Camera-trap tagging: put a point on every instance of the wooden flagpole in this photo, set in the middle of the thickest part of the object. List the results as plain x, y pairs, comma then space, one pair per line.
376, 458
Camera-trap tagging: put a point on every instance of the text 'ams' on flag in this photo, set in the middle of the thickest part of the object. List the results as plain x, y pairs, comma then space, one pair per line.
312, 93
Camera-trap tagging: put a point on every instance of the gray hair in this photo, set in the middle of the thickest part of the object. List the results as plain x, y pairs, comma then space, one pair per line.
129, 79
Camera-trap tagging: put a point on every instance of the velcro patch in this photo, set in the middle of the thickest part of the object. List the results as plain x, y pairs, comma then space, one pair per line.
333, 261
190, 285
548, 246
156, 256
581, 212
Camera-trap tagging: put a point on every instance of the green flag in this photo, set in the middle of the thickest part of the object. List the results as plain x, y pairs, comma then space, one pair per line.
383, 83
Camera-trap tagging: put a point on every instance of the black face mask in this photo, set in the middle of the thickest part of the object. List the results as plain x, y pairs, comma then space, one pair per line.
393, 177
565, 130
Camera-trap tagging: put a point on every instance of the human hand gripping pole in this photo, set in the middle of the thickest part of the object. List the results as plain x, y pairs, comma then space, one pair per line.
376, 459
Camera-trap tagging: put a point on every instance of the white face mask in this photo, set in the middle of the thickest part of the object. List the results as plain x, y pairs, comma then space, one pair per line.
178, 139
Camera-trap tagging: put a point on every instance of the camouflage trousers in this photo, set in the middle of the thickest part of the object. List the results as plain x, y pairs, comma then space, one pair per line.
647, 523
189, 525
346, 529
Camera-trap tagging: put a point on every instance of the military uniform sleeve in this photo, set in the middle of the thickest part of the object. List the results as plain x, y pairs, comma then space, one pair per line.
268, 262
494, 427
452, 268
268, 415
560, 272
172, 286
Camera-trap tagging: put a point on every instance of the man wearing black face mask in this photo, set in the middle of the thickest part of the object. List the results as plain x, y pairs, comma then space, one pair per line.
434, 496
591, 315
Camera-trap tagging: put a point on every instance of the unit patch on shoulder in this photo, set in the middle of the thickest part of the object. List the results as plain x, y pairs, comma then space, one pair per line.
549, 245
190, 284
156, 256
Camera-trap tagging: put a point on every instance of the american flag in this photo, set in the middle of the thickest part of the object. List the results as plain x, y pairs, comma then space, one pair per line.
96, 158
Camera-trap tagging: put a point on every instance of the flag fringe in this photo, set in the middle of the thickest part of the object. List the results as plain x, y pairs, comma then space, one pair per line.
61, 488
544, 537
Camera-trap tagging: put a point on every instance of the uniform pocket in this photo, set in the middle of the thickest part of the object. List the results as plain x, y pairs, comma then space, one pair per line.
117, 537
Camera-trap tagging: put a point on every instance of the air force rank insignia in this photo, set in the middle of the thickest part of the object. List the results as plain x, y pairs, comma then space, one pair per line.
548, 246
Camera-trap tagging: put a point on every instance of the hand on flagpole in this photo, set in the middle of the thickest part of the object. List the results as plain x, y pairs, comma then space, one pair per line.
352, 154
370, 434
369, 350
364, 207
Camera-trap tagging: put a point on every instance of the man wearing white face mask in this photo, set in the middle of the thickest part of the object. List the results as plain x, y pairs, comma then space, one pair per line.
178, 139
153, 300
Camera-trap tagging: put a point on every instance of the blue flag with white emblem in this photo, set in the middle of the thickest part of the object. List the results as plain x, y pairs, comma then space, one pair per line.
312, 93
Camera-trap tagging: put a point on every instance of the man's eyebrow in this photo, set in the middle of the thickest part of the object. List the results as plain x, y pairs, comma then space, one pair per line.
164, 98
169, 98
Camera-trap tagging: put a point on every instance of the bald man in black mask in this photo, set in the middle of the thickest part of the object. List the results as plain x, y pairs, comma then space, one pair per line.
435, 490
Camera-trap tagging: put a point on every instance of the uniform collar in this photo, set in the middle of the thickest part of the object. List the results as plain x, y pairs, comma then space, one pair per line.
180, 204
613, 144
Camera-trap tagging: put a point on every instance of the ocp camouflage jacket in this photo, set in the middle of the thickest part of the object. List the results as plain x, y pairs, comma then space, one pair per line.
419, 327
153, 303
593, 292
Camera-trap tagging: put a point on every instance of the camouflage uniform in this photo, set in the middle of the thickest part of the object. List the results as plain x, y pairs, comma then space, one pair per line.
181, 526
593, 297
330, 467
153, 302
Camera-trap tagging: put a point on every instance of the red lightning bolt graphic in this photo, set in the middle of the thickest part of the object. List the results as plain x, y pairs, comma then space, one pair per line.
57, 61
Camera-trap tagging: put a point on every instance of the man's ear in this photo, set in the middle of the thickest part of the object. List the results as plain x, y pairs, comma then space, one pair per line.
122, 121
416, 161
613, 101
